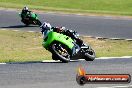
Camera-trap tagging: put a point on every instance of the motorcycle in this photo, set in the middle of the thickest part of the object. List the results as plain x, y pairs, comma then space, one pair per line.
30, 18
64, 48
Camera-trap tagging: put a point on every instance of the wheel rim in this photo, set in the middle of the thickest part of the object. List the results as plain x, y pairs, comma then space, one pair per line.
61, 51
91, 52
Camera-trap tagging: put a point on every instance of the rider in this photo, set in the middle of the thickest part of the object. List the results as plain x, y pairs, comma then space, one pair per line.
46, 27
25, 13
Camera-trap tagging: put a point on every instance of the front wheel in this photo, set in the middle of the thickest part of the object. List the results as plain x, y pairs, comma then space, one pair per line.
61, 52
38, 22
90, 55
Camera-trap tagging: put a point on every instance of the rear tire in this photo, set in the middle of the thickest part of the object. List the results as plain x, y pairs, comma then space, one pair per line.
56, 51
26, 23
54, 57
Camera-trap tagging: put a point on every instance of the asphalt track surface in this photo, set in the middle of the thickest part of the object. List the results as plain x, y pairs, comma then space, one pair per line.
63, 75
60, 75
96, 26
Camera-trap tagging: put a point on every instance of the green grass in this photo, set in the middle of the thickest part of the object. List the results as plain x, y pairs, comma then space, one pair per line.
116, 7
21, 46
110, 48
24, 46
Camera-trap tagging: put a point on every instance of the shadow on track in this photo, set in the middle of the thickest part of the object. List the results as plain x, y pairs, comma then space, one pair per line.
20, 26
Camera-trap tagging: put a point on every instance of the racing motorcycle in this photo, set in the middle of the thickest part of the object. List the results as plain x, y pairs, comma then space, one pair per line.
64, 48
30, 18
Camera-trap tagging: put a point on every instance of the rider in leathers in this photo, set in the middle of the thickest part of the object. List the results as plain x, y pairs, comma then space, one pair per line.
46, 27
26, 13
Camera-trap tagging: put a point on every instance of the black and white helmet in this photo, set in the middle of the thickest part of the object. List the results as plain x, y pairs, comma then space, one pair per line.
25, 8
45, 26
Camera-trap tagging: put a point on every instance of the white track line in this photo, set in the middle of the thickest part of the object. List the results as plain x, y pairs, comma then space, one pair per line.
15, 30
3, 29
129, 39
50, 61
30, 31
46, 61
129, 86
114, 57
103, 58
2, 63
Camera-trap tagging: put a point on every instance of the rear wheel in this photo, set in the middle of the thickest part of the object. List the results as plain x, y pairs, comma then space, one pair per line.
61, 52
26, 22
54, 57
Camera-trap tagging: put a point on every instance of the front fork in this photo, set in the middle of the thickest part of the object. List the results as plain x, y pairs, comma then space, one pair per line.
75, 49
79, 52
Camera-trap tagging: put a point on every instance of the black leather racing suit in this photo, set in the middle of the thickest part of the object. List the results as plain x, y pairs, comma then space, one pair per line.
69, 33
25, 14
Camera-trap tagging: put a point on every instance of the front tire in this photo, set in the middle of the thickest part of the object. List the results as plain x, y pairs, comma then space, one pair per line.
61, 52
39, 23
90, 55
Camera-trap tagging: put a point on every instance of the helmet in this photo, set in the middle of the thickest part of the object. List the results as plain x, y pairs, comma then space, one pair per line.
45, 26
25, 9
63, 28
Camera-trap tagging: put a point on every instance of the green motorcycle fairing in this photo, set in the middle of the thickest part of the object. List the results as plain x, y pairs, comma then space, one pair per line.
33, 15
54, 36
